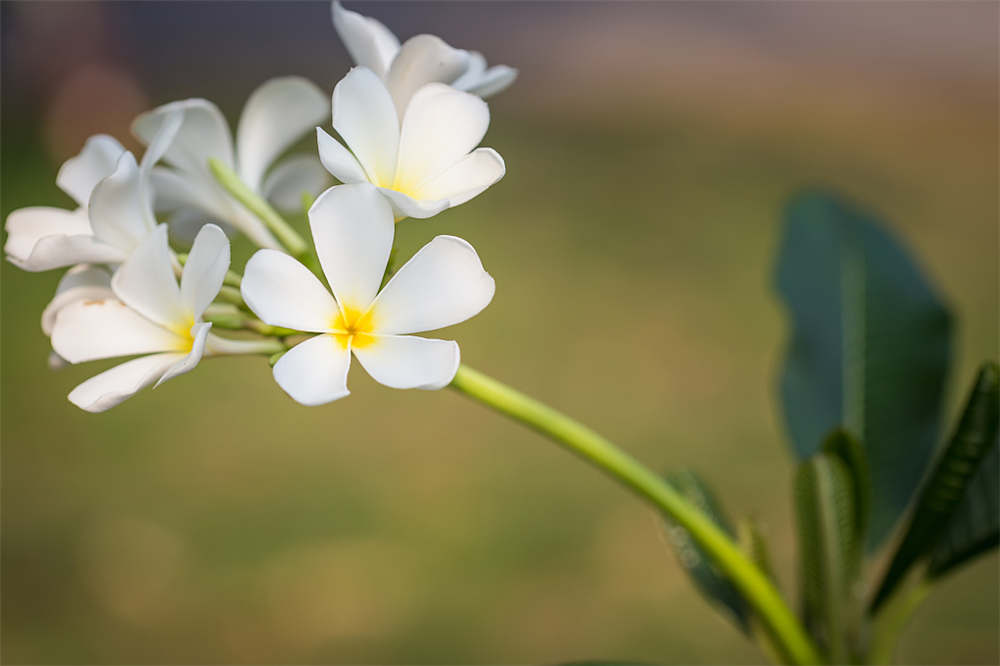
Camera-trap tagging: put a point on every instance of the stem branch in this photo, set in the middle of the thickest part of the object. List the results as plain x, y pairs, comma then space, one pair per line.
586, 443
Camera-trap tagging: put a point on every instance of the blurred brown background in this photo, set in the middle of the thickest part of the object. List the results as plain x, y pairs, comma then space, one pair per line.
649, 147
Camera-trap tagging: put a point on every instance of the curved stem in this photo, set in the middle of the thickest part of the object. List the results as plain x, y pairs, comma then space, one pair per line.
581, 440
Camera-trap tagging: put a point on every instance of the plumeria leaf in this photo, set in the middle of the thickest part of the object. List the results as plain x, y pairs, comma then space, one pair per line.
824, 502
709, 580
955, 498
975, 526
869, 348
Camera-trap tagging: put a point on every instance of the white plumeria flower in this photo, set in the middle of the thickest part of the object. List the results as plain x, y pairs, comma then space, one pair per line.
147, 314
422, 164
277, 114
114, 211
443, 284
422, 59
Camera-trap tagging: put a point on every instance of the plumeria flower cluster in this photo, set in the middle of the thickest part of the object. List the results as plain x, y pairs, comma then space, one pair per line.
409, 119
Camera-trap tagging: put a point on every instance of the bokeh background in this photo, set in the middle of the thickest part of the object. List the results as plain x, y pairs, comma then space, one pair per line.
650, 147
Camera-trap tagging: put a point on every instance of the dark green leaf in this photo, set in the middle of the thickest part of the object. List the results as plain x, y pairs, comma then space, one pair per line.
975, 527
869, 348
949, 483
824, 500
706, 576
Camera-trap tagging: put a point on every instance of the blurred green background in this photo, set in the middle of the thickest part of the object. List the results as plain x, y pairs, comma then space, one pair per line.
649, 149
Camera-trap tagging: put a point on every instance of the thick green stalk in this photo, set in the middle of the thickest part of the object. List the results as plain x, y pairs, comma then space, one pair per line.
893, 618
581, 440
257, 205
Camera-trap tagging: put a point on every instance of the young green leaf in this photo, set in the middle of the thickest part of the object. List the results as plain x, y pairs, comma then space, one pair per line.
828, 547
975, 526
839, 443
869, 348
949, 485
706, 576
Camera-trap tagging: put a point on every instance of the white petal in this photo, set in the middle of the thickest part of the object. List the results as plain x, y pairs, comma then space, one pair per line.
27, 226
199, 334
146, 282
79, 174
406, 361
443, 284
204, 134
121, 382
315, 371
89, 330
80, 283
338, 160
166, 132
404, 206
352, 226
277, 115
176, 190
293, 177
282, 292
60, 251
368, 41
205, 269
423, 59
185, 223
466, 178
492, 81
364, 115
442, 125
120, 212
472, 74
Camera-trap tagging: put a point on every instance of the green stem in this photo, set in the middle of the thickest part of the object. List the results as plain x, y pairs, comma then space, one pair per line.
892, 619
586, 443
257, 205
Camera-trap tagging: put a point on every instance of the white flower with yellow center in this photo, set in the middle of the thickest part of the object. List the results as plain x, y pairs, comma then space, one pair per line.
277, 114
423, 163
149, 313
422, 59
114, 211
443, 284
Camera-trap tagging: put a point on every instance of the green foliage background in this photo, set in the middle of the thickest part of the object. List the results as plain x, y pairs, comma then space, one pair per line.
213, 520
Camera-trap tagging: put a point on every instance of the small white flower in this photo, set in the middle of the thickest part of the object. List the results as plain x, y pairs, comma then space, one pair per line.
276, 115
147, 313
422, 59
443, 284
423, 164
114, 212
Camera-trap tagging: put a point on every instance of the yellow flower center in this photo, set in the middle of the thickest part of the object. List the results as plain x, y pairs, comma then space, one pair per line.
353, 326
182, 330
